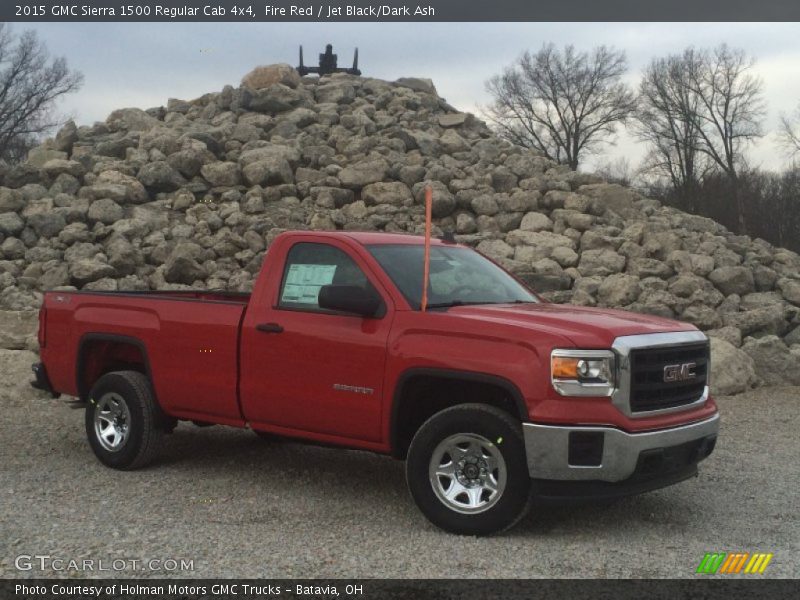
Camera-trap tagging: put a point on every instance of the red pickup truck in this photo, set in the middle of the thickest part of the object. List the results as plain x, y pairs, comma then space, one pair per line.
491, 395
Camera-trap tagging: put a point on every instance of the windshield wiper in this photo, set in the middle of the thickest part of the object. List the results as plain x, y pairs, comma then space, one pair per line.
446, 304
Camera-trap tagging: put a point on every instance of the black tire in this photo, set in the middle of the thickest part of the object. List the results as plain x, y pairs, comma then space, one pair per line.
132, 394
489, 423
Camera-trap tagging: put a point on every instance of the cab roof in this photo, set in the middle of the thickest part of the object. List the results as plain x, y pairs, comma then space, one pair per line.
371, 238
367, 238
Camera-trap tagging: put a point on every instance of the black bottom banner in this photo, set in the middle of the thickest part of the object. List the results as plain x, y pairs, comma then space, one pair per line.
434, 589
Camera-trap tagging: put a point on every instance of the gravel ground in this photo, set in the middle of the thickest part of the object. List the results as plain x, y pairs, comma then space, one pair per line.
241, 507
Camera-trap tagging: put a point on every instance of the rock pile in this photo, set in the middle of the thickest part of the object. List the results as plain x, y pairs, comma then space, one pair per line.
190, 195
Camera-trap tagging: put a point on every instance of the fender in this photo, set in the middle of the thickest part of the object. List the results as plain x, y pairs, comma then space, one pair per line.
501, 382
83, 392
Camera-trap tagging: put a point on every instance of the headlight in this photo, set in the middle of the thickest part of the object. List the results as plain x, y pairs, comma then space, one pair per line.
583, 372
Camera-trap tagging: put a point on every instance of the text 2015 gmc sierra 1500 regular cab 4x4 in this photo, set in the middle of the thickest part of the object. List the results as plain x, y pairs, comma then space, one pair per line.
492, 396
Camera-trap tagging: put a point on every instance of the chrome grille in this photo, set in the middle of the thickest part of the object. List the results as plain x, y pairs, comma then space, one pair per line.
649, 391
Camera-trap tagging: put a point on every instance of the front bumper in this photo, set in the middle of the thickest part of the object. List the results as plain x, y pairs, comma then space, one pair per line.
609, 455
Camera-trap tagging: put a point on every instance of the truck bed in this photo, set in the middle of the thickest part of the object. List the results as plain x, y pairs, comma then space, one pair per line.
168, 327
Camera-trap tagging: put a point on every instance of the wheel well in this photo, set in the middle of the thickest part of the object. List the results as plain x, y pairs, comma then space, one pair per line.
100, 356
420, 396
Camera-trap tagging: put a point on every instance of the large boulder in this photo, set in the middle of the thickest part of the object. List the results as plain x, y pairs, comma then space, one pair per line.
277, 98
773, 360
268, 171
56, 276
159, 176
17, 329
363, 173
732, 370
264, 76
418, 84
221, 174
86, 270
451, 142
443, 203
47, 224
287, 152
56, 166
335, 92
131, 119
600, 262
41, 155
189, 161
183, 265
331, 197
118, 186
536, 221
11, 223
122, 255
768, 320
496, 249
619, 290
733, 280
105, 211
12, 249
11, 200
648, 267
66, 137
702, 316
454, 119
394, 193
732, 335
531, 246
613, 197
790, 289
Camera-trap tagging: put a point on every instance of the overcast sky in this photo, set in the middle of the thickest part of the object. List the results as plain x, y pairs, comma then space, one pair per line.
144, 64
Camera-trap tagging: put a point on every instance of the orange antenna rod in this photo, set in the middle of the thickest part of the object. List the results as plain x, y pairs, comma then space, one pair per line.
427, 261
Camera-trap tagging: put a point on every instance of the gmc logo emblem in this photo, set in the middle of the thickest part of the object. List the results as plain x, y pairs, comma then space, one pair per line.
679, 372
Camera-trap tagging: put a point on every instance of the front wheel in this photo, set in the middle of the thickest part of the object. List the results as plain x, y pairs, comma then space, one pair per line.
467, 471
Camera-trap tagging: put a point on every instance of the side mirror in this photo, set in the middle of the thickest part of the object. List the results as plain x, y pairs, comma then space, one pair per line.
350, 299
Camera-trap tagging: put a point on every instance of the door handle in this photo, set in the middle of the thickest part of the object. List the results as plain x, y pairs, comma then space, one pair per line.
269, 328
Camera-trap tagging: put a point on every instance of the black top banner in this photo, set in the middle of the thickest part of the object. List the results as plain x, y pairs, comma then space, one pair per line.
399, 10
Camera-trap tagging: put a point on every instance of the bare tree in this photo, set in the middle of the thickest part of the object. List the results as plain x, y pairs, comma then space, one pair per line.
30, 84
789, 132
667, 121
618, 170
700, 110
732, 107
564, 104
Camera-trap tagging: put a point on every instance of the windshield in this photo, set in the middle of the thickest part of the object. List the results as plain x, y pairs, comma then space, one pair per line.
457, 276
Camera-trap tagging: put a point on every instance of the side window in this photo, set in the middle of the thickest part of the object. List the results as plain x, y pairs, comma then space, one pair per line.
308, 267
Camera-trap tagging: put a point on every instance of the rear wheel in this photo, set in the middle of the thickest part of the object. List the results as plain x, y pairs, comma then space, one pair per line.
467, 471
124, 423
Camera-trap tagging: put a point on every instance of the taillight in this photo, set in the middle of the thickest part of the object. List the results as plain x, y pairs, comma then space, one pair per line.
42, 326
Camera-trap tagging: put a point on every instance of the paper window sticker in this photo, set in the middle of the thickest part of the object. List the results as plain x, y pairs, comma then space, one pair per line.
303, 282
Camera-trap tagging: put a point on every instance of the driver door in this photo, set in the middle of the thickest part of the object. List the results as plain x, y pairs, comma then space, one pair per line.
310, 370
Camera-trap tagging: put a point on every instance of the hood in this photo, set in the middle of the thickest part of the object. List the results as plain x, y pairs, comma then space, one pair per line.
584, 326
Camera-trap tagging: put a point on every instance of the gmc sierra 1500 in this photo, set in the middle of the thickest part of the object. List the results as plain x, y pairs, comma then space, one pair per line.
492, 396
